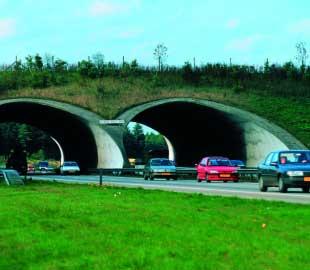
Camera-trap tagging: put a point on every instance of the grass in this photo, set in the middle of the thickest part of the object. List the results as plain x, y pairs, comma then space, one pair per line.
59, 226
291, 113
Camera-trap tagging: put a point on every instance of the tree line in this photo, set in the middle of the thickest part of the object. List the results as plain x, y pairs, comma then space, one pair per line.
142, 146
288, 79
36, 143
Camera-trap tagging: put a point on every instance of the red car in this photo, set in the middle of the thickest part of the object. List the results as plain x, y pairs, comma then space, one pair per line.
216, 169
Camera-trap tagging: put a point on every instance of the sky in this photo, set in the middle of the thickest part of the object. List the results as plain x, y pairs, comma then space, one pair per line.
212, 31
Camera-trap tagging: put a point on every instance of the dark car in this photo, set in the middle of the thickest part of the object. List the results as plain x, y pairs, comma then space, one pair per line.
160, 168
237, 163
44, 167
285, 169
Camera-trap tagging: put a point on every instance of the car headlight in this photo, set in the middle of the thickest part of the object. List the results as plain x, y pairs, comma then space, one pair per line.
295, 173
213, 171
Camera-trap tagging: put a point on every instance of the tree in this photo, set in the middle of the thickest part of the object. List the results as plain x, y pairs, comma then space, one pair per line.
302, 54
139, 140
38, 62
160, 54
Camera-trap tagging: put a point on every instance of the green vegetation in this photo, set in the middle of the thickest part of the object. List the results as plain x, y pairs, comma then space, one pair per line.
142, 146
59, 226
36, 143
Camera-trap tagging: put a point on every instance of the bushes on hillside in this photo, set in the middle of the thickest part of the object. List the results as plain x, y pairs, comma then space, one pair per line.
287, 79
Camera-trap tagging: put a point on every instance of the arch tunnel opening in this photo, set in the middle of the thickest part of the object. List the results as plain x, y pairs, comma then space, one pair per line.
73, 135
142, 143
196, 131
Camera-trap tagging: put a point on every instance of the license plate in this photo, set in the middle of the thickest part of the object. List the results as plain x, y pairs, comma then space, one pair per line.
166, 173
224, 175
307, 179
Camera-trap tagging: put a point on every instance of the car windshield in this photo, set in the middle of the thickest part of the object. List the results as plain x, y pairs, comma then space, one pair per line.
161, 162
219, 162
237, 162
43, 164
302, 157
70, 164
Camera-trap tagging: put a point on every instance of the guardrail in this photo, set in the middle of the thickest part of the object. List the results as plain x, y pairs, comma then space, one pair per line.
248, 174
245, 174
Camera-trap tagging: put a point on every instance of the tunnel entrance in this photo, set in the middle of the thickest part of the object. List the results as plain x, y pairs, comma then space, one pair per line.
73, 135
196, 131
142, 143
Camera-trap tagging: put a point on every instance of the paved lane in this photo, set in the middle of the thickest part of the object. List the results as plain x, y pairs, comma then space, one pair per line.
244, 190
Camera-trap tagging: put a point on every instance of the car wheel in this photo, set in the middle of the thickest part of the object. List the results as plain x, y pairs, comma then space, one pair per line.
236, 181
145, 177
175, 178
306, 189
198, 179
225, 181
151, 177
282, 186
209, 181
261, 184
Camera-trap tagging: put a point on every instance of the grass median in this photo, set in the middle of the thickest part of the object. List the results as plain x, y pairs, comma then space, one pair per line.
65, 226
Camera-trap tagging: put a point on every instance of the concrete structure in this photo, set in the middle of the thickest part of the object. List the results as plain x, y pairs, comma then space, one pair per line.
198, 128
192, 129
76, 130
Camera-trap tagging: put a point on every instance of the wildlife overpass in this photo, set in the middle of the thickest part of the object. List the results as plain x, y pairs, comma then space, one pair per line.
193, 128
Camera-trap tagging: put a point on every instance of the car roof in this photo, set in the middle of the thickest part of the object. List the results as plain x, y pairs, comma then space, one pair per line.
8, 170
290, 151
216, 157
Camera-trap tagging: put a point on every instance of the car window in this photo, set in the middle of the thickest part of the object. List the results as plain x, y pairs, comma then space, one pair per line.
43, 164
70, 164
295, 157
237, 162
268, 159
219, 162
161, 162
203, 162
274, 158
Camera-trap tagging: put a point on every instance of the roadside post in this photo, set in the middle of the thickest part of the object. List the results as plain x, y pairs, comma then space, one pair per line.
101, 176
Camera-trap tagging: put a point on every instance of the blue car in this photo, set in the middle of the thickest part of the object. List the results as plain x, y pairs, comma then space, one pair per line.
285, 169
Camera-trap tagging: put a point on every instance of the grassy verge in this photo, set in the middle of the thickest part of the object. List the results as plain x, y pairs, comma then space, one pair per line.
58, 226
291, 113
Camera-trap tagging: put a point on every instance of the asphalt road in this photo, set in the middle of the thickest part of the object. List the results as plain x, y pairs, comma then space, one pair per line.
243, 190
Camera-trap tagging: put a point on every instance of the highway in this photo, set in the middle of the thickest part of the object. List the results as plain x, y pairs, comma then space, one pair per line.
242, 190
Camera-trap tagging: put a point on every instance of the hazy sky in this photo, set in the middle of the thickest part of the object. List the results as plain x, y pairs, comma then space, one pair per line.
210, 30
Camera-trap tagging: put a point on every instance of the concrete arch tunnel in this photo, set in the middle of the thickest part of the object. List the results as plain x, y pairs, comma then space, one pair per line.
193, 128
198, 128
76, 130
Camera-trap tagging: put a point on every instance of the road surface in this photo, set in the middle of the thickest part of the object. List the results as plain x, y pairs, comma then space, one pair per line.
243, 190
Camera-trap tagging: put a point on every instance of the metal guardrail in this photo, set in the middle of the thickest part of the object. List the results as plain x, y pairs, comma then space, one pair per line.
249, 173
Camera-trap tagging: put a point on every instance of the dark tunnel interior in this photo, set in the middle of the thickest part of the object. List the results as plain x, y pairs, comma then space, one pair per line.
73, 135
195, 131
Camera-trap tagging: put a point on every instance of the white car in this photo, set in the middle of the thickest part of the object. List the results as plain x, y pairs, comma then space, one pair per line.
69, 167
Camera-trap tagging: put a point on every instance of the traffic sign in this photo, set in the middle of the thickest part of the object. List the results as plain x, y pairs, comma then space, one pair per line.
112, 122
